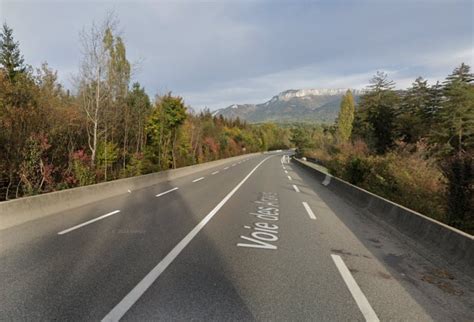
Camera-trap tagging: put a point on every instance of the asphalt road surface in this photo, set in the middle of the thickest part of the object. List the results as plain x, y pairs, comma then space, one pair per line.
259, 239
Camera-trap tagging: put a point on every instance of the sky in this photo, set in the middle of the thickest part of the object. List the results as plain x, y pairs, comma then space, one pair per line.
217, 53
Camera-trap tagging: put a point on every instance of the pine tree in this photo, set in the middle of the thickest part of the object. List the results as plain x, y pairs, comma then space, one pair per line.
10, 56
455, 133
414, 116
434, 106
345, 117
375, 117
455, 128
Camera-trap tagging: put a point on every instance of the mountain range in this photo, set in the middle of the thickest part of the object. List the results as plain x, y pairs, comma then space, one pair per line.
294, 105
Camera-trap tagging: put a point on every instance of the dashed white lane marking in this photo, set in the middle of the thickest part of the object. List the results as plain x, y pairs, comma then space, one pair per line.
359, 297
327, 180
167, 191
309, 211
198, 179
234, 165
126, 303
286, 172
215, 172
88, 222
290, 178
296, 188
226, 168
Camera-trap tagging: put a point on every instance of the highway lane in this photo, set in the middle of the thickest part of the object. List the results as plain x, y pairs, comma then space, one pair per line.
88, 269
284, 263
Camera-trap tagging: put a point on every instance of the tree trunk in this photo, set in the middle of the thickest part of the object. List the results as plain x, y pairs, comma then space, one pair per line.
173, 148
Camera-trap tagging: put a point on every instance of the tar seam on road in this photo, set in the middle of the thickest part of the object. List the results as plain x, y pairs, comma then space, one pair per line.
309, 211
89, 222
127, 302
296, 188
355, 290
167, 191
198, 179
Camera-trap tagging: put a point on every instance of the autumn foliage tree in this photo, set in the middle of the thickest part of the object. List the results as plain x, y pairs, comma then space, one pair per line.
345, 118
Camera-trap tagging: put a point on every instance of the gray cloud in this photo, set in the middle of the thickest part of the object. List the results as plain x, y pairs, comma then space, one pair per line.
223, 52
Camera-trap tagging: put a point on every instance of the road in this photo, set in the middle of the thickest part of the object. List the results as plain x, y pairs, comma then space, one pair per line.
259, 239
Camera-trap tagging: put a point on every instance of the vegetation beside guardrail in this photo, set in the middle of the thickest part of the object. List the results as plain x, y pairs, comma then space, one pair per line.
412, 146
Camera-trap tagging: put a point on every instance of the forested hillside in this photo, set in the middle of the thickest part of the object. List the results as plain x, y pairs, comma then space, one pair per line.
104, 128
414, 147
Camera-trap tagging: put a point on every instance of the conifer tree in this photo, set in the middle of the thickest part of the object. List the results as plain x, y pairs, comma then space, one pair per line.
414, 115
455, 134
10, 56
376, 115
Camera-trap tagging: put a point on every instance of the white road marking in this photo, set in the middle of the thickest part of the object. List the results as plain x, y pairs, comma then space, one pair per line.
296, 188
327, 180
167, 191
127, 302
198, 179
88, 222
226, 168
308, 210
355, 290
233, 165
290, 178
215, 172
286, 172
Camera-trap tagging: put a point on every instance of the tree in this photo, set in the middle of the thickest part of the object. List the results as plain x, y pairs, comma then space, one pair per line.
118, 79
376, 113
454, 136
455, 130
345, 117
138, 103
92, 81
163, 128
10, 56
414, 118
301, 139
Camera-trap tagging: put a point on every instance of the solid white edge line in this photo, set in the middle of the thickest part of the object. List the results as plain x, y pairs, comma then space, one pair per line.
215, 172
88, 222
127, 302
309, 211
290, 178
296, 188
198, 179
359, 297
167, 191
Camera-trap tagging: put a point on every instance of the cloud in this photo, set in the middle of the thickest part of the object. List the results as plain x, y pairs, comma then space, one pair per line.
217, 53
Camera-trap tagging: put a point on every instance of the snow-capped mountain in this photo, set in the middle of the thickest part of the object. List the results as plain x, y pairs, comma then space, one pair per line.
318, 105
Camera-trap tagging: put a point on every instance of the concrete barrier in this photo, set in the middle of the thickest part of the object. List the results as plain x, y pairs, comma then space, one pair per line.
453, 245
18, 211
